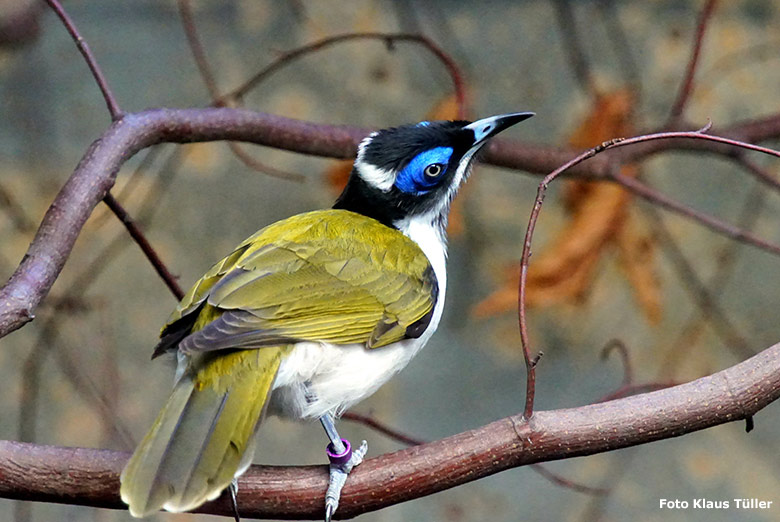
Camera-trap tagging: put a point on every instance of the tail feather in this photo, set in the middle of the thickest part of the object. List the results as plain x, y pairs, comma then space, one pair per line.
202, 438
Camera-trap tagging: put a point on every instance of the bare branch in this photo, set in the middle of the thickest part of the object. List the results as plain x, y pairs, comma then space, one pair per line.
97, 171
382, 428
403, 438
752, 207
389, 38
566, 483
573, 47
530, 363
616, 345
139, 237
196, 47
716, 225
91, 477
686, 87
711, 310
86, 52
207, 75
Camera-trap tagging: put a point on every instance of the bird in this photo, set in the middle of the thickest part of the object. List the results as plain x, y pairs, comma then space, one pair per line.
307, 317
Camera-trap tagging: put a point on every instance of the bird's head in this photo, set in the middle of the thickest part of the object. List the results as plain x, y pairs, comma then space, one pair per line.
414, 171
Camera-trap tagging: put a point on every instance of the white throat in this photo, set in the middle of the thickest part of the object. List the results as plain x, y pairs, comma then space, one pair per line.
426, 231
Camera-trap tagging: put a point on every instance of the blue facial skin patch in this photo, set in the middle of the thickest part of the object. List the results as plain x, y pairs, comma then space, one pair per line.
413, 180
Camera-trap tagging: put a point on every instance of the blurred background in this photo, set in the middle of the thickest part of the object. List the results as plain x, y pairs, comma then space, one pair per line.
606, 266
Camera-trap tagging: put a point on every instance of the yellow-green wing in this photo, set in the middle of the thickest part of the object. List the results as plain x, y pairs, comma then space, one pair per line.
331, 275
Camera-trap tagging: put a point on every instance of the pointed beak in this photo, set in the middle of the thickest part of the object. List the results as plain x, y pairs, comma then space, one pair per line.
486, 128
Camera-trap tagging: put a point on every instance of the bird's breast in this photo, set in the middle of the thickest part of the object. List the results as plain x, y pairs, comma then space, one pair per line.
316, 378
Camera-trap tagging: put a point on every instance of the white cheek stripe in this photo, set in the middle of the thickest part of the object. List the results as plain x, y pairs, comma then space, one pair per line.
374, 176
463, 166
364, 143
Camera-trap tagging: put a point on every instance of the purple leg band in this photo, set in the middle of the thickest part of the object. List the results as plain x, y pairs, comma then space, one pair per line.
339, 458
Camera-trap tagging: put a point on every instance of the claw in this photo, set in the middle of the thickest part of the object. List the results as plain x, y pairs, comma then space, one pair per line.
329, 510
339, 470
233, 493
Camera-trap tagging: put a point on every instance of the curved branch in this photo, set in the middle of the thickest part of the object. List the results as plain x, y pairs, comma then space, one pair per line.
96, 172
91, 477
389, 38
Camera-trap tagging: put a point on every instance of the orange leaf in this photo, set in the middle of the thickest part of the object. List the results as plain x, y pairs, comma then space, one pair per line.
637, 259
564, 271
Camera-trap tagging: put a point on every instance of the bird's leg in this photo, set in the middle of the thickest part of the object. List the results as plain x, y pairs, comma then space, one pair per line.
342, 460
233, 493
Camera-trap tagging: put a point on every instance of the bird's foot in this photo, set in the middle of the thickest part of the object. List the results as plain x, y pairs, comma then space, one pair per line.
340, 466
233, 500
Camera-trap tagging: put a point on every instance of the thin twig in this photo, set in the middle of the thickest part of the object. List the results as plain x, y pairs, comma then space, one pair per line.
96, 172
758, 172
530, 362
621, 45
751, 209
618, 346
49, 334
686, 87
90, 271
382, 428
716, 225
207, 75
389, 38
146, 247
715, 316
91, 477
116, 115
196, 47
612, 475
83, 47
567, 483
255, 164
83, 384
573, 47
123, 194
15, 211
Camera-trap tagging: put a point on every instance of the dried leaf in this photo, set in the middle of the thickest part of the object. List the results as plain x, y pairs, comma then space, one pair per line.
337, 175
637, 250
564, 271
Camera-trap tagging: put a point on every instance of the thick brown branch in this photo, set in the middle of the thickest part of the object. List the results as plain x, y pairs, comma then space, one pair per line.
96, 172
91, 477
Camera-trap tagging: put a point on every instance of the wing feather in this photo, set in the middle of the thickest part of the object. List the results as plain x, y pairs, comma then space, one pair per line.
332, 276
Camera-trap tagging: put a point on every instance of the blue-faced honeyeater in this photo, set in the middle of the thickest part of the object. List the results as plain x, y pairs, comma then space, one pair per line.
308, 316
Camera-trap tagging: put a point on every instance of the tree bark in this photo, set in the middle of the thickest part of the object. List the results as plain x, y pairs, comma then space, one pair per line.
91, 477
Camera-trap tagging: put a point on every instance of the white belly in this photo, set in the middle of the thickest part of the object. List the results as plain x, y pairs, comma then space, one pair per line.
337, 377
317, 378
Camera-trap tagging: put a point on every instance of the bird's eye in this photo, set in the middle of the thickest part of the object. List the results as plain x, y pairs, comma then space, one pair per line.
434, 170
425, 171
